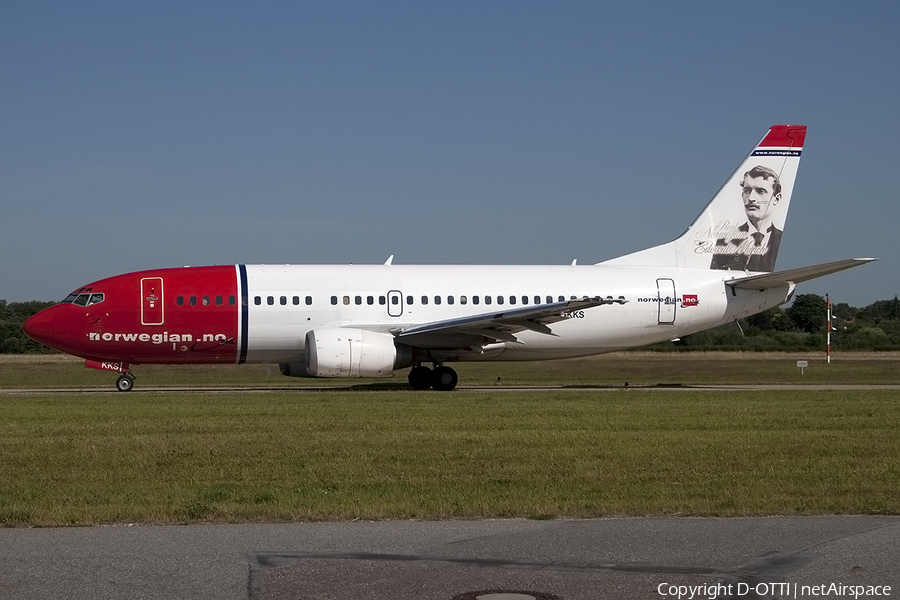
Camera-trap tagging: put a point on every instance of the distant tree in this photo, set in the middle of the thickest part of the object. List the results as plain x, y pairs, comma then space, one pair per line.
12, 316
11, 345
883, 309
808, 312
20, 311
774, 319
844, 311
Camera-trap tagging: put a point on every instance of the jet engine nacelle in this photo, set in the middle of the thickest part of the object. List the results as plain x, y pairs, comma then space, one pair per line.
345, 352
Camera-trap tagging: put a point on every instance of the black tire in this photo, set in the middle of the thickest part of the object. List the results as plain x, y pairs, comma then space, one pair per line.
420, 378
124, 383
444, 379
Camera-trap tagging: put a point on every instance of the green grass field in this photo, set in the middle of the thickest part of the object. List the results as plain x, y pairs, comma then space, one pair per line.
637, 368
174, 457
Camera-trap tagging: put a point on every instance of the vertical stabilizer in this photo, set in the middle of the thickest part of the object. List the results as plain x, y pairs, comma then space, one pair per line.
741, 227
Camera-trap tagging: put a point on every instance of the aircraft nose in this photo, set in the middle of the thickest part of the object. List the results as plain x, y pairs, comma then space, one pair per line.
46, 327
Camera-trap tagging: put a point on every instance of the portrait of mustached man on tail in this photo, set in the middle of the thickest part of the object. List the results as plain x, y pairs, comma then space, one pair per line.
754, 244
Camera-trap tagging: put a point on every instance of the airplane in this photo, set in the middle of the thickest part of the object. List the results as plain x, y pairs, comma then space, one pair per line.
372, 320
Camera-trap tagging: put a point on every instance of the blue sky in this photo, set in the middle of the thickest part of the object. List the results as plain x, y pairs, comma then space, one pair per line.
142, 135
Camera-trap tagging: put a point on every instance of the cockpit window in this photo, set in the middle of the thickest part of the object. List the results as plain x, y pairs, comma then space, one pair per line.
81, 298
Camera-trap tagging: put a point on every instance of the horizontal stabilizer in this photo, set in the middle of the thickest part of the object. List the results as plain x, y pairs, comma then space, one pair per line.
794, 276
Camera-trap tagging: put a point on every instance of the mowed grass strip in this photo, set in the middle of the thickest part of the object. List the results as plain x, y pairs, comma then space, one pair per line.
225, 457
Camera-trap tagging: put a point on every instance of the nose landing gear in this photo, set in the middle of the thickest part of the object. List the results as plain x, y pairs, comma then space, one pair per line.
125, 382
441, 378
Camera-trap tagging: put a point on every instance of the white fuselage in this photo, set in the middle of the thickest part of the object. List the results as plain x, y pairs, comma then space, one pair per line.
662, 303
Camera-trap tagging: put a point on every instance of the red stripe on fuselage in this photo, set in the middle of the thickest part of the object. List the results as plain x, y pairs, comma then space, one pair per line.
198, 322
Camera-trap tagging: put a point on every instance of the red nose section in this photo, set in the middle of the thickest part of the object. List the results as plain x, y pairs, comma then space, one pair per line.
36, 326
50, 327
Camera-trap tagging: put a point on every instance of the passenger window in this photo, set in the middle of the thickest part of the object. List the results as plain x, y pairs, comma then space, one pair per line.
231, 301
381, 300
424, 299
549, 299
205, 300
270, 300
537, 299
179, 300
257, 300
499, 299
395, 300
296, 300
487, 299
193, 301
437, 299
358, 300
524, 299
370, 300
463, 300
283, 300
346, 300
450, 300
562, 298
218, 300
334, 300
409, 300
309, 300
474, 299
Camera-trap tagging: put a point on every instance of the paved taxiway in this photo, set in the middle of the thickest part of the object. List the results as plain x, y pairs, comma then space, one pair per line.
454, 560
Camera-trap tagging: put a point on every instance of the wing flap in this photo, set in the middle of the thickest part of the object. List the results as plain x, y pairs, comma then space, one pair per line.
795, 276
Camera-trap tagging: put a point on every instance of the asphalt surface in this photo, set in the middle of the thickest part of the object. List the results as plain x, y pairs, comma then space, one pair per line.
772, 557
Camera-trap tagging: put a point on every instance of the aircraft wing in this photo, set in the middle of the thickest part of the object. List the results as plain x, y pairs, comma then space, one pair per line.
497, 326
794, 276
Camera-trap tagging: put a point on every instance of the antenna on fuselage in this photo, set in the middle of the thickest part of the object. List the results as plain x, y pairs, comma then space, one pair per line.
390, 260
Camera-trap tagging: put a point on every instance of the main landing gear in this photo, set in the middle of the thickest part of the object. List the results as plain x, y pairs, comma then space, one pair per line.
125, 382
441, 378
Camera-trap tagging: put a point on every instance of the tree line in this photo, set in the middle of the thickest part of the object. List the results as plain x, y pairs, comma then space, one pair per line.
12, 316
799, 327
803, 326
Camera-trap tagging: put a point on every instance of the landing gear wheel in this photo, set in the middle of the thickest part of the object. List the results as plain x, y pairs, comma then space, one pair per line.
420, 378
444, 379
124, 383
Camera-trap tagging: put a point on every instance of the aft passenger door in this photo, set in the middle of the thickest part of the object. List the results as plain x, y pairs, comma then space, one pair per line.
665, 288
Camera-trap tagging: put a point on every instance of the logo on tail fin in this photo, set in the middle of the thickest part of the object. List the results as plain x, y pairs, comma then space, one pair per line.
753, 245
763, 183
741, 227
